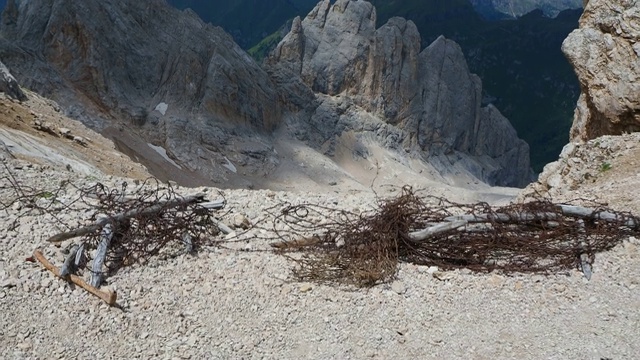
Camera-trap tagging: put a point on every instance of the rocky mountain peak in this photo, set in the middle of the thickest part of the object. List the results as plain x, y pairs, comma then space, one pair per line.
162, 77
348, 24
429, 94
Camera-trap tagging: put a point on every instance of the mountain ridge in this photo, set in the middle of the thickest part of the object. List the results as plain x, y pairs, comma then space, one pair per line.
195, 93
525, 73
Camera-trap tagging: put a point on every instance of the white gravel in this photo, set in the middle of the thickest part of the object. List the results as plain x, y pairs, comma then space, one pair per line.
224, 304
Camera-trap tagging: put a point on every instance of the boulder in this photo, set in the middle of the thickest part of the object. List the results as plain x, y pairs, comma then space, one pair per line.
605, 53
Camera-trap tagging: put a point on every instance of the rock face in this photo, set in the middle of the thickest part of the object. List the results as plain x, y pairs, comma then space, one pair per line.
605, 52
595, 168
166, 78
9, 85
151, 54
178, 82
429, 95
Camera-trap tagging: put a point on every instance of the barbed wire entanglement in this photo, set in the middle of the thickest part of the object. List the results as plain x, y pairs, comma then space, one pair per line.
158, 219
136, 220
327, 244
537, 236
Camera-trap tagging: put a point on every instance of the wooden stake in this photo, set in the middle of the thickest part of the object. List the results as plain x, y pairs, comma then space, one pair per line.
107, 296
101, 254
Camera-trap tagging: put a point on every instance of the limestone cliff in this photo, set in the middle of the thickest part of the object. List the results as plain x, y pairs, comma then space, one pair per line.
126, 57
158, 74
143, 72
605, 52
430, 95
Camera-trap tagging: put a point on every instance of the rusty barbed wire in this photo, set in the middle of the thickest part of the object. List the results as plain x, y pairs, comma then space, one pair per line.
365, 249
171, 228
332, 245
176, 228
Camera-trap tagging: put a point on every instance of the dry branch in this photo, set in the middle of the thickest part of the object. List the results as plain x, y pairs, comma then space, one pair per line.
586, 213
213, 205
146, 211
437, 230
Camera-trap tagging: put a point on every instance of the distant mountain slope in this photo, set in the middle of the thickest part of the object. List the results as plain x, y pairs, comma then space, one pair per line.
163, 74
496, 9
524, 72
452, 18
528, 77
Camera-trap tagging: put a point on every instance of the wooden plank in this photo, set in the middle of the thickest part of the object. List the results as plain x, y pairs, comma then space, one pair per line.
101, 254
107, 296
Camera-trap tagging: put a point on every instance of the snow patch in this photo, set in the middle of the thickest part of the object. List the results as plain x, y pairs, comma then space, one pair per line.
160, 150
162, 108
230, 166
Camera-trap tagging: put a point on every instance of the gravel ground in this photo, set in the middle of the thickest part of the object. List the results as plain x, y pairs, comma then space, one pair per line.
226, 304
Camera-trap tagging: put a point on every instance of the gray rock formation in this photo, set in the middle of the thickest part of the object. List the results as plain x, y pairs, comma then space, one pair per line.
9, 85
605, 52
142, 63
164, 77
429, 95
150, 54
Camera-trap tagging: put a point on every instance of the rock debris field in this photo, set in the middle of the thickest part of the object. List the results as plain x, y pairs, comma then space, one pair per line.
242, 303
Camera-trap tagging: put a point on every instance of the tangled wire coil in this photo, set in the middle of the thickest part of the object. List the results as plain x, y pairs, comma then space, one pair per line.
365, 249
